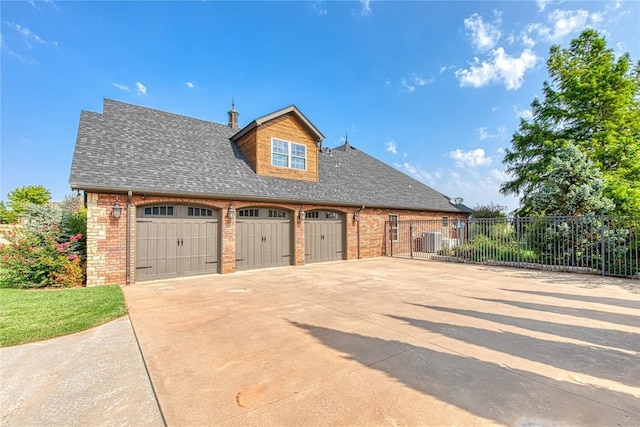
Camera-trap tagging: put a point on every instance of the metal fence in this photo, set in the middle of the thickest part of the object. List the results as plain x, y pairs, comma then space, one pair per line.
598, 244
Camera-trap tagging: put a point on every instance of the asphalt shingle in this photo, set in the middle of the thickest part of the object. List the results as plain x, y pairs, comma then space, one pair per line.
150, 151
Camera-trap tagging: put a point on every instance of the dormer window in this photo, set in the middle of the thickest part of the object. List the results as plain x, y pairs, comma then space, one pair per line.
288, 154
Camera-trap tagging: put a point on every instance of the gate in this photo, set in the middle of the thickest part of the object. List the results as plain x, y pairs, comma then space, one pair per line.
598, 244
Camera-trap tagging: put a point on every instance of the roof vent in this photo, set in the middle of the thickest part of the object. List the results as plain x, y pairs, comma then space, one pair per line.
233, 116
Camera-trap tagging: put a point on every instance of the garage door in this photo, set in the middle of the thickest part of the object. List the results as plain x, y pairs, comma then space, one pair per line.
175, 240
263, 238
323, 236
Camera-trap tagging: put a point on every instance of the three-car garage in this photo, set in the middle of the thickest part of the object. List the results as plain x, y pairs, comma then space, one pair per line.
180, 240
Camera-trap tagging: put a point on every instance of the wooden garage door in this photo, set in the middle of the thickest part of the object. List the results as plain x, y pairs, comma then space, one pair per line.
263, 238
323, 236
175, 240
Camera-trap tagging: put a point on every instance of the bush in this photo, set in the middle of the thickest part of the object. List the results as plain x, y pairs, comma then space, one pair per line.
44, 252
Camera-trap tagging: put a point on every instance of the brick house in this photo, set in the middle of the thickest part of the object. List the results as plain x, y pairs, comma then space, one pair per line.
169, 195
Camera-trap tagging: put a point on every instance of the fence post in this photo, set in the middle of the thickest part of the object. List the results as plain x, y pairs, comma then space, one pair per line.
518, 237
602, 242
411, 238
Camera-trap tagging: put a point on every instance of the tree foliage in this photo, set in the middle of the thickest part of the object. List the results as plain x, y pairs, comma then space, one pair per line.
593, 103
19, 198
490, 210
570, 186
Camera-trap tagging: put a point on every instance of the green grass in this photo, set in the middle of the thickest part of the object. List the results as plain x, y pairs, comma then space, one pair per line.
35, 315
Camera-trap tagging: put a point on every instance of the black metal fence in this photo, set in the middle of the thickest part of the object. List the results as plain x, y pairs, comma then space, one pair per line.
598, 244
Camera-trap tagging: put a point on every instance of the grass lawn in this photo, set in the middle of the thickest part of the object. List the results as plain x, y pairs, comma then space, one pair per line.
35, 315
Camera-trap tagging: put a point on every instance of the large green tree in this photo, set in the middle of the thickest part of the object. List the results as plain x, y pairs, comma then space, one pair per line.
592, 102
21, 197
571, 185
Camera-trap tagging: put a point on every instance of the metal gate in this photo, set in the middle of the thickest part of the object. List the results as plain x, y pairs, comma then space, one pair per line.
598, 244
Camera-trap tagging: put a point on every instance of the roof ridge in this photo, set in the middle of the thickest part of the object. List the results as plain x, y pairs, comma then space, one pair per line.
161, 112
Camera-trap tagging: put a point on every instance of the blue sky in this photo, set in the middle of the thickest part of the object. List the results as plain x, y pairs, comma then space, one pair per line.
432, 88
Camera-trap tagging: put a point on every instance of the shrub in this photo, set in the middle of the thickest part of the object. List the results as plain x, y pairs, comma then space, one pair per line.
43, 253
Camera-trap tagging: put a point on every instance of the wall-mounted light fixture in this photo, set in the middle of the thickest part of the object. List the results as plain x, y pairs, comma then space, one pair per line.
231, 211
356, 216
301, 214
116, 210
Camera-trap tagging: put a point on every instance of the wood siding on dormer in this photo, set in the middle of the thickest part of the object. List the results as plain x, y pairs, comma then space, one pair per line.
247, 145
289, 128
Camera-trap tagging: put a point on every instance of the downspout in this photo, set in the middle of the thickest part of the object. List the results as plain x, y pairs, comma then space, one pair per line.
358, 230
128, 255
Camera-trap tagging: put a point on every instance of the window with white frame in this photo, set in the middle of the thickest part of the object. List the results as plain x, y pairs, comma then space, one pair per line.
288, 154
393, 227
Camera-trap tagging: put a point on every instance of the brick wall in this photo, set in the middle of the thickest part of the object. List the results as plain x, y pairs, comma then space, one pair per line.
106, 236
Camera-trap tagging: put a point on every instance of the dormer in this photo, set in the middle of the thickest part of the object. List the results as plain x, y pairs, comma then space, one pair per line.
282, 144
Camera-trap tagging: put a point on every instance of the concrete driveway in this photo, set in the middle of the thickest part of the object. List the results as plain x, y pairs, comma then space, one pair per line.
392, 342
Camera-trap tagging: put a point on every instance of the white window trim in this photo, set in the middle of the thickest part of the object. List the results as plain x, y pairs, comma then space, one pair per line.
289, 144
392, 228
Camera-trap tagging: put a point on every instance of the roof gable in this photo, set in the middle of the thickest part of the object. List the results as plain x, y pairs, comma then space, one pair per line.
266, 118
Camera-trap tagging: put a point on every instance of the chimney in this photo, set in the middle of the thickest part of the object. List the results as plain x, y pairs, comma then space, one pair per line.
233, 116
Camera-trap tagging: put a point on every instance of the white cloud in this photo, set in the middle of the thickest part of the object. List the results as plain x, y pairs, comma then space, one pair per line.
5, 48
501, 68
474, 185
141, 89
190, 85
319, 6
417, 172
484, 35
413, 81
390, 146
365, 7
122, 87
526, 114
483, 133
471, 158
561, 24
542, 4
29, 35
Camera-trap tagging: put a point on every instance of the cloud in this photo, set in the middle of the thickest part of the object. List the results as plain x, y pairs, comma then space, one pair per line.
319, 6
526, 114
542, 4
29, 35
562, 23
471, 158
417, 172
390, 146
6, 49
122, 87
500, 68
365, 7
414, 80
189, 85
141, 89
483, 133
484, 36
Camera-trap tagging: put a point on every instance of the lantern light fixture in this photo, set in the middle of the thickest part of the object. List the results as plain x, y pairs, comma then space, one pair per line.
231, 211
116, 210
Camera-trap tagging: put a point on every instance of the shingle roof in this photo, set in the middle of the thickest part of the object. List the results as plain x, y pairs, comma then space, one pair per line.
154, 152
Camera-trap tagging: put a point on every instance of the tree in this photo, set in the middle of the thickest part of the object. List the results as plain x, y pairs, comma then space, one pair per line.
20, 197
593, 103
490, 210
570, 186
